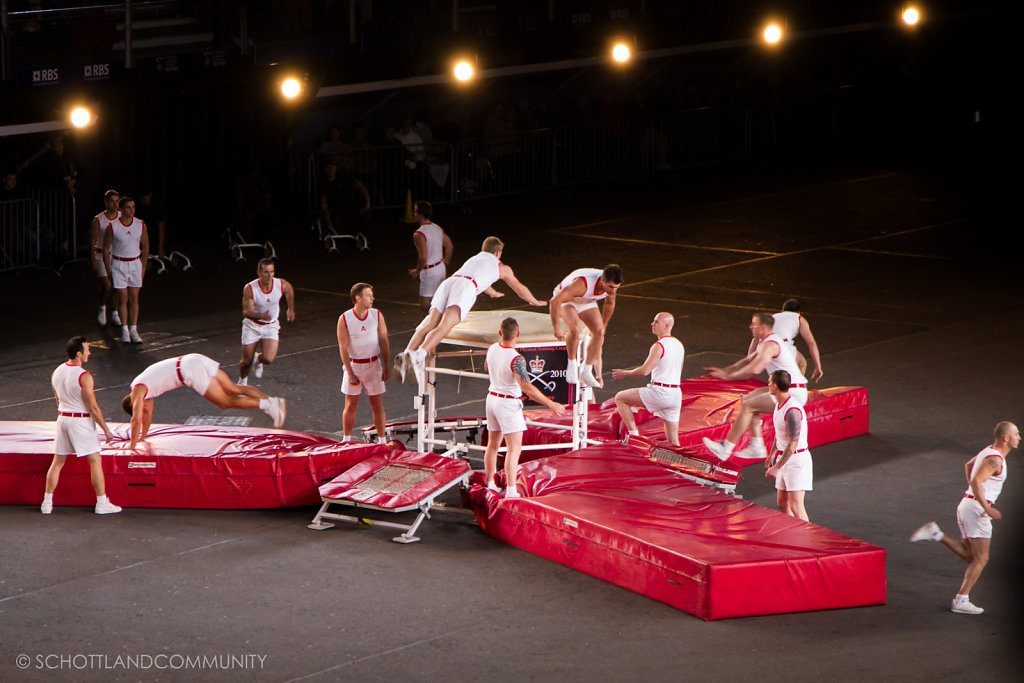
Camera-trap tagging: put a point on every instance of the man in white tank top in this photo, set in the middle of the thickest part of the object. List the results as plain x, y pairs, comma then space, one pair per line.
433, 250
366, 356
509, 381
453, 301
789, 324
261, 325
790, 462
662, 396
125, 253
575, 299
202, 374
78, 413
985, 474
767, 352
97, 231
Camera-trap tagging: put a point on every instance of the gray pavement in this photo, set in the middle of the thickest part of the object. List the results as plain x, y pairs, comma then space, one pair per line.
908, 281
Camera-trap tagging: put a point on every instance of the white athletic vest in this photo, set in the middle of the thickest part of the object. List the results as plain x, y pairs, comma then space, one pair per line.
127, 238
482, 269
786, 360
266, 301
499, 367
787, 326
104, 223
992, 486
435, 246
669, 369
67, 385
363, 343
161, 377
779, 420
589, 277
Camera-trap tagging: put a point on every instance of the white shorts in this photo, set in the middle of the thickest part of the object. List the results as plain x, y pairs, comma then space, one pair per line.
75, 436
126, 274
197, 371
431, 279
799, 394
580, 305
369, 375
972, 520
797, 474
101, 267
253, 332
455, 291
505, 415
665, 402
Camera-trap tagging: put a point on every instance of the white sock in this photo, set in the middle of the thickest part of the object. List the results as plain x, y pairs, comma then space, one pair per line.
124, 328
729, 445
103, 310
634, 432
133, 328
345, 438
47, 497
101, 499
962, 597
511, 489
571, 367
264, 404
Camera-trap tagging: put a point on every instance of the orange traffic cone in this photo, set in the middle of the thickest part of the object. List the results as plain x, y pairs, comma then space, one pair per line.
408, 217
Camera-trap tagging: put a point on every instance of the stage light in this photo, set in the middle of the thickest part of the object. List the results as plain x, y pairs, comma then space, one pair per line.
463, 71
291, 88
80, 117
911, 15
772, 34
621, 53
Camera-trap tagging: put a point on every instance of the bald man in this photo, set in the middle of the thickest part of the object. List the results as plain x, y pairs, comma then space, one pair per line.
662, 395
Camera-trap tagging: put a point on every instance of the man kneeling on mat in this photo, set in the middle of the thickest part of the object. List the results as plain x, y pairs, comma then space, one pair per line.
202, 374
509, 379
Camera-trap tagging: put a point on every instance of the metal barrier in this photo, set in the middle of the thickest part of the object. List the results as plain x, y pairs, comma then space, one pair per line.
603, 151
58, 229
490, 167
19, 234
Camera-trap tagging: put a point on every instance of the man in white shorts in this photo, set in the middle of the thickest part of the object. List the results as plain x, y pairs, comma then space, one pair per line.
125, 254
78, 413
433, 251
575, 299
767, 352
789, 324
509, 379
453, 301
366, 354
200, 373
261, 325
97, 231
662, 396
790, 463
985, 473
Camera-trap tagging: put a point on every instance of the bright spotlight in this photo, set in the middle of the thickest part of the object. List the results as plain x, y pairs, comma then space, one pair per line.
621, 53
911, 15
291, 88
463, 71
80, 117
772, 34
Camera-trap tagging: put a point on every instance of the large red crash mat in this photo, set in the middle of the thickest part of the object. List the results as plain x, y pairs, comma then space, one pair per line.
613, 514
181, 467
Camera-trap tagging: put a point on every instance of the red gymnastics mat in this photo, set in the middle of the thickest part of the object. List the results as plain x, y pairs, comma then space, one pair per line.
609, 512
181, 467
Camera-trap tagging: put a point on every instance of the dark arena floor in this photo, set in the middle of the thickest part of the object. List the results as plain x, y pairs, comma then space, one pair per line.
912, 289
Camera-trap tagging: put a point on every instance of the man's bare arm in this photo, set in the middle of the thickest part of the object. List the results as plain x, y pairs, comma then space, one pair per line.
289, 297
812, 349
521, 290
523, 380
653, 356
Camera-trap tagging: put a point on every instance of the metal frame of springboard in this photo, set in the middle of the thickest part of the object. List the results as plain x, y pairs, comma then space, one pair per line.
424, 505
425, 401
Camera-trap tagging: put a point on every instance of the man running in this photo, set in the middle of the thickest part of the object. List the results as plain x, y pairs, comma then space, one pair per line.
261, 308
201, 373
575, 299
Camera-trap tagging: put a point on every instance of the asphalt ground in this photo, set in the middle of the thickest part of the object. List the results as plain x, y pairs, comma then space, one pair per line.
907, 276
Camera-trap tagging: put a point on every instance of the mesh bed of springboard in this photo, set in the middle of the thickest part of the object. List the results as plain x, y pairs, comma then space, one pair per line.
611, 513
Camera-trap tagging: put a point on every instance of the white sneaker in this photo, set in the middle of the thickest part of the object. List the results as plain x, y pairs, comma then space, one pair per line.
755, 450
512, 493
964, 606
717, 448
929, 532
400, 366
572, 372
47, 507
101, 316
257, 367
277, 411
115, 317
134, 336
126, 336
243, 381
493, 487
418, 359
587, 374
107, 508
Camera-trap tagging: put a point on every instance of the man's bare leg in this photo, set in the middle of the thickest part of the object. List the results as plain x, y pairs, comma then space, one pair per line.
756, 402
53, 474
624, 400
592, 319
494, 440
423, 329
514, 445
671, 432
348, 416
244, 365
451, 318
979, 558
572, 341
379, 416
